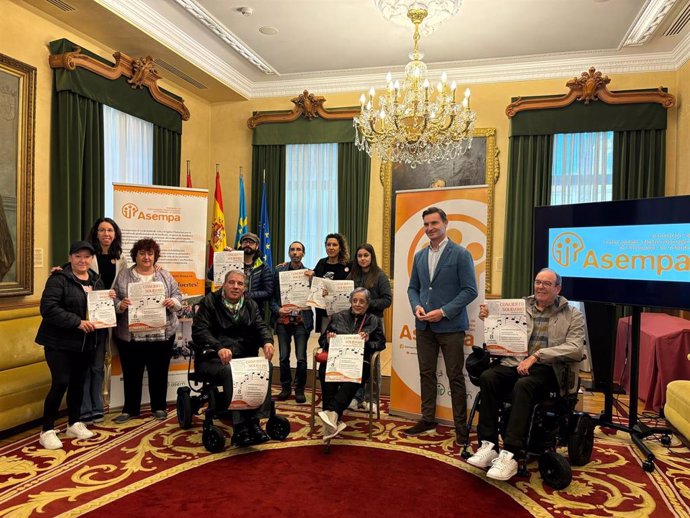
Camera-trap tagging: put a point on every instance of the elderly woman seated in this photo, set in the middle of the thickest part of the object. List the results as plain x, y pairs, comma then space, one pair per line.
356, 320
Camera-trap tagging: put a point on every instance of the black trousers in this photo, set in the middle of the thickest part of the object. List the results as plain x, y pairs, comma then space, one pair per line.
67, 372
338, 396
155, 358
499, 382
221, 374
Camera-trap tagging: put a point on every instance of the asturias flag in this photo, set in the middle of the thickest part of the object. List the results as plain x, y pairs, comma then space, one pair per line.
218, 240
264, 232
242, 216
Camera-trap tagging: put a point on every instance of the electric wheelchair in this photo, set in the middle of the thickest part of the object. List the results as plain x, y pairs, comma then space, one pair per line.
208, 395
554, 423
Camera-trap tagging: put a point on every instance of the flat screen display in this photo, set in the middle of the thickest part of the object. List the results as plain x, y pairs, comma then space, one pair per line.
633, 252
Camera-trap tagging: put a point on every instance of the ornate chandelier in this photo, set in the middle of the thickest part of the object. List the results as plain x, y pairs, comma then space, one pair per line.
415, 122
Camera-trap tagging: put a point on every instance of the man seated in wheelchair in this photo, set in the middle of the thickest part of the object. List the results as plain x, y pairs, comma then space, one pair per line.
356, 320
229, 326
556, 335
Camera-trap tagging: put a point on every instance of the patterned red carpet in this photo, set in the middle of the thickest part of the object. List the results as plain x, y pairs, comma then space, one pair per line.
153, 468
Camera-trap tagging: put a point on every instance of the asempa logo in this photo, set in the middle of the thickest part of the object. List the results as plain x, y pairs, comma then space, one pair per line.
566, 247
129, 210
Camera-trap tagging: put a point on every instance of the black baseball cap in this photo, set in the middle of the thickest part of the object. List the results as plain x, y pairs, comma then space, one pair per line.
81, 245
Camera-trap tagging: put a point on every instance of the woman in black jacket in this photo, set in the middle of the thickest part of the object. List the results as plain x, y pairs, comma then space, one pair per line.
366, 273
356, 320
69, 340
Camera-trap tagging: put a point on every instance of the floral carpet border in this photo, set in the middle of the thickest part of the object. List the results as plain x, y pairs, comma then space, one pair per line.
125, 458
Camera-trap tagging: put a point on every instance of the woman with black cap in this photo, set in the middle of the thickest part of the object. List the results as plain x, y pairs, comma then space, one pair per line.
69, 339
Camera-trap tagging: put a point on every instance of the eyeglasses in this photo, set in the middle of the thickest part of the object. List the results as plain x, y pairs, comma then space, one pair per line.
546, 284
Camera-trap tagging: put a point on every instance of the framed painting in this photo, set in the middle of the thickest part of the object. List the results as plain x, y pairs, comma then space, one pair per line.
478, 166
17, 118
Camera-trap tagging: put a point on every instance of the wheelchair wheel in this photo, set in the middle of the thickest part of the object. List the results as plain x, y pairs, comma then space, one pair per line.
278, 427
581, 441
555, 470
213, 439
184, 408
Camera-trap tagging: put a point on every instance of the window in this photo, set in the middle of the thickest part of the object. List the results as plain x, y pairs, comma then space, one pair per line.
311, 196
582, 168
128, 152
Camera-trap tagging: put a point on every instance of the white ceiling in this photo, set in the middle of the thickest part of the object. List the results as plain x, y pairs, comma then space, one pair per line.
345, 45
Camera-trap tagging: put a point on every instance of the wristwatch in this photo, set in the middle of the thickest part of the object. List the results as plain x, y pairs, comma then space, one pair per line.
536, 354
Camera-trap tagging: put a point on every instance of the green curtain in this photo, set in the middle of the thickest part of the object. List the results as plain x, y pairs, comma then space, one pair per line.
271, 159
117, 93
354, 170
639, 164
304, 131
77, 169
529, 185
166, 157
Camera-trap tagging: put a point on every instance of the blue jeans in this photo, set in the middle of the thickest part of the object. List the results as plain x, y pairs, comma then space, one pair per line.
285, 333
92, 402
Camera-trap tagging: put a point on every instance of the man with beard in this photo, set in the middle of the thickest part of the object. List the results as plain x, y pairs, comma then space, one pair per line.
258, 275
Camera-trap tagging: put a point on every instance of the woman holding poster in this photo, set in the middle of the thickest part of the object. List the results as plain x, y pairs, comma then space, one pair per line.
147, 302
353, 321
335, 266
69, 340
366, 273
106, 238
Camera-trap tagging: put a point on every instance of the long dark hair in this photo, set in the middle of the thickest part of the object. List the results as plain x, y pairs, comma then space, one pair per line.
343, 254
368, 278
115, 250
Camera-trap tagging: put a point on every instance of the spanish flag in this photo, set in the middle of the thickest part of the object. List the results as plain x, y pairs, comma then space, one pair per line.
218, 241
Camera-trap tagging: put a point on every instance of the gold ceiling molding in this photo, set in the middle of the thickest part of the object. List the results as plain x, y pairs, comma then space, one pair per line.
140, 73
308, 106
590, 86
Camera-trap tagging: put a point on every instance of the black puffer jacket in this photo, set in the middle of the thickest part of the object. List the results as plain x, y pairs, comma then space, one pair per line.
213, 327
63, 307
347, 323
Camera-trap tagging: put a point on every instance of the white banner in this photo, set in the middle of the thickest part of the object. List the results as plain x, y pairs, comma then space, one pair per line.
175, 218
466, 208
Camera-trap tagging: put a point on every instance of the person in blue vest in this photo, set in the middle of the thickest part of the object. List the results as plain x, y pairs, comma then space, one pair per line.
442, 284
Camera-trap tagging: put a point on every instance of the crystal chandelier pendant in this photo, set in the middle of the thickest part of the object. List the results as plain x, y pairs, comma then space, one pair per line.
414, 121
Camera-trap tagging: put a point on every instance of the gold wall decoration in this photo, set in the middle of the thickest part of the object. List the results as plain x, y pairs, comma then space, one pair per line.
478, 166
590, 86
140, 72
308, 106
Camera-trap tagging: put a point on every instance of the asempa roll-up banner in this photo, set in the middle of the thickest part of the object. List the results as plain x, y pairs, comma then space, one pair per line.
175, 218
466, 208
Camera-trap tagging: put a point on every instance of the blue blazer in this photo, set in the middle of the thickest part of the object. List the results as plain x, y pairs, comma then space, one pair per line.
453, 287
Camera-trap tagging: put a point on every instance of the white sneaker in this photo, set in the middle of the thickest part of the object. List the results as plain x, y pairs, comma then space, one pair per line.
335, 431
79, 431
503, 467
354, 405
370, 407
329, 418
484, 455
49, 440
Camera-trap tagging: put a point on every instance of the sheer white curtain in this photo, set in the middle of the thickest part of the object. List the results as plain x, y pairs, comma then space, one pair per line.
582, 168
311, 196
128, 152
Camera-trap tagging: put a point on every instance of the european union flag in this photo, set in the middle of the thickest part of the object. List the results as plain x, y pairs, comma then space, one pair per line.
264, 231
242, 216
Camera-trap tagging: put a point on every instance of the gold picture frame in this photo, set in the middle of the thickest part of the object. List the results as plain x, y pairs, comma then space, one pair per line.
483, 153
17, 136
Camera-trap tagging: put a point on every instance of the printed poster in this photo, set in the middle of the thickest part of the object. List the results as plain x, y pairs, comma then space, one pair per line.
345, 359
505, 329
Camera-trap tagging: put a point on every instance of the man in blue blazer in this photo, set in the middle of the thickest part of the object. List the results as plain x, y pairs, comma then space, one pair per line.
442, 284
